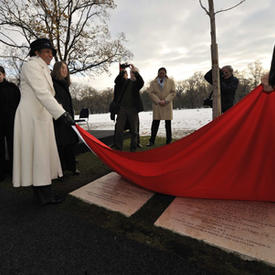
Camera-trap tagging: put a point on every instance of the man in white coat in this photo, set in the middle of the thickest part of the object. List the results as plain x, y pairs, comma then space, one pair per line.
36, 161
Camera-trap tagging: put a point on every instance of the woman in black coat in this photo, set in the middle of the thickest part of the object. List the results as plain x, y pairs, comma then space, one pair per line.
65, 136
9, 100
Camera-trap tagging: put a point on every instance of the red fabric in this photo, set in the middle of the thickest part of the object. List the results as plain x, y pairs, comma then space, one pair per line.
232, 157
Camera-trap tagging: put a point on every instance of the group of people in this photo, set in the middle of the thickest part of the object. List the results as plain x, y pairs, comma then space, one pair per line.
36, 121
127, 102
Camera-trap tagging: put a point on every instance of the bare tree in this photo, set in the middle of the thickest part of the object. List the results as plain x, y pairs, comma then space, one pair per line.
77, 28
214, 54
255, 71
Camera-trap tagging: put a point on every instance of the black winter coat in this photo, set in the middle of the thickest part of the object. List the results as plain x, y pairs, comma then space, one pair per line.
64, 134
9, 100
228, 89
121, 85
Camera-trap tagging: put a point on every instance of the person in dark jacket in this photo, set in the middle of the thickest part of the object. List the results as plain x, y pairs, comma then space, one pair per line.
65, 136
229, 84
9, 100
268, 80
127, 97
271, 76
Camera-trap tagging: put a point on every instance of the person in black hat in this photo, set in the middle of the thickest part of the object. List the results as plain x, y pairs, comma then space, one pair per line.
268, 80
36, 161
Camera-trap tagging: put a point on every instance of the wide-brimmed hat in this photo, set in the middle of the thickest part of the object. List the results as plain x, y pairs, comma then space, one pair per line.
41, 43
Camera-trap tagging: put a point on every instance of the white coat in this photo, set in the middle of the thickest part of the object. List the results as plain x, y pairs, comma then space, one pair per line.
35, 159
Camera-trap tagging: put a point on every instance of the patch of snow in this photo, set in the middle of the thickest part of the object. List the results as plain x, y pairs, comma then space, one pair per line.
184, 122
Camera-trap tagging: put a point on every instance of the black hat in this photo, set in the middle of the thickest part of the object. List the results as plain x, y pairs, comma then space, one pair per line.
271, 79
41, 43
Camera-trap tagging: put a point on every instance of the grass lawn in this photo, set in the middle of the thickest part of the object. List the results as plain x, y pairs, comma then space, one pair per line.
140, 227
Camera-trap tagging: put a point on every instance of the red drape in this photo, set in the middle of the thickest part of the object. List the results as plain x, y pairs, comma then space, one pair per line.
232, 157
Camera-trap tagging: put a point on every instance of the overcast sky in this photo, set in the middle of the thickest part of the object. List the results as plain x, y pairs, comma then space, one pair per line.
176, 34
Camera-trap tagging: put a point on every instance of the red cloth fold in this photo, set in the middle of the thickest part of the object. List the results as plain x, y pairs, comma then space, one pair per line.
232, 157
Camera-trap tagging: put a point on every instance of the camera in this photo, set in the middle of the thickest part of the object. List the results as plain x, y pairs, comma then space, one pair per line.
124, 66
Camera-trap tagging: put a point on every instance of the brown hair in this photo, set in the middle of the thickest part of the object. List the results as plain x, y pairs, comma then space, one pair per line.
162, 69
56, 72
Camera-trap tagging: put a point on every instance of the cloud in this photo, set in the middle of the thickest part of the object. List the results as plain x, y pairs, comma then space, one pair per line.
176, 34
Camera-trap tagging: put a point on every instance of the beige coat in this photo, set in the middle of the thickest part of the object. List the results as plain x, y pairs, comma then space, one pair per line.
167, 93
36, 161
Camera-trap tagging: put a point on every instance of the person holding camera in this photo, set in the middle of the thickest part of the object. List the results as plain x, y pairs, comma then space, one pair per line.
162, 91
229, 84
35, 160
128, 101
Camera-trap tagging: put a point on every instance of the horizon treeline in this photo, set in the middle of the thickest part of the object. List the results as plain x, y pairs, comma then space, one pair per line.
190, 93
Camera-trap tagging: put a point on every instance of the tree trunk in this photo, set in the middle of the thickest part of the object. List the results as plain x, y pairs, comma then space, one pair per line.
215, 64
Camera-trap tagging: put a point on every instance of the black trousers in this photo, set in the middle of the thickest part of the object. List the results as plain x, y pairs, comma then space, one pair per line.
67, 157
155, 127
138, 136
6, 131
131, 115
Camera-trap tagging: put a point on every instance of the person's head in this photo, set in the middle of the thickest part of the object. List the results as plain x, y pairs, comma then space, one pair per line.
2, 74
227, 71
162, 73
61, 72
43, 48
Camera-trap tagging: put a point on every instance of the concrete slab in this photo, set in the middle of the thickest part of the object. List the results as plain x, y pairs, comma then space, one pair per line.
244, 227
114, 193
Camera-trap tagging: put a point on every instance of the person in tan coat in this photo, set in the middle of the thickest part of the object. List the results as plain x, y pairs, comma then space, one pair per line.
162, 92
36, 161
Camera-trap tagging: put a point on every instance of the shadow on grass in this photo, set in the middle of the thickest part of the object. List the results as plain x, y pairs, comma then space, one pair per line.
204, 258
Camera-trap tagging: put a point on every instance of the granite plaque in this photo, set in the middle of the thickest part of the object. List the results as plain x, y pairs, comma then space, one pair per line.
245, 227
115, 193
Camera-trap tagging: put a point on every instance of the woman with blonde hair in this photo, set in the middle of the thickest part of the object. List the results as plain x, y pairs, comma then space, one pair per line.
65, 136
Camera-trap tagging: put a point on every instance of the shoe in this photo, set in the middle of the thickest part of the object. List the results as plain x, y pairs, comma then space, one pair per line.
54, 200
76, 172
139, 145
150, 144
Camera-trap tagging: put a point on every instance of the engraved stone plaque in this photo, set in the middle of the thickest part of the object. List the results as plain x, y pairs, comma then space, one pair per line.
115, 193
245, 227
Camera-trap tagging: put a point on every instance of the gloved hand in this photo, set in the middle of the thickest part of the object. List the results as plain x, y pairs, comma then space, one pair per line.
66, 119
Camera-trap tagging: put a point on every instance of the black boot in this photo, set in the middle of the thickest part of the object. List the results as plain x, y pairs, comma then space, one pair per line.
168, 131
154, 131
43, 195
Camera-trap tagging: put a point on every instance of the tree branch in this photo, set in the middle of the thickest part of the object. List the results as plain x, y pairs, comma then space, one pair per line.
204, 8
230, 7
